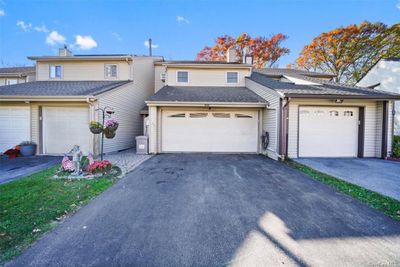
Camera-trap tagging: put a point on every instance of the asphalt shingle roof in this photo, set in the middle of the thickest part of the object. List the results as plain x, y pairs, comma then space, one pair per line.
17, 70
60, 88
206, 94
325, 88
282, 71
198, 62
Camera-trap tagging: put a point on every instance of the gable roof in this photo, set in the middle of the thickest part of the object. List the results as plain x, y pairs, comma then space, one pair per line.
60, 88
277, 72
205, 94
324, 89
17, 71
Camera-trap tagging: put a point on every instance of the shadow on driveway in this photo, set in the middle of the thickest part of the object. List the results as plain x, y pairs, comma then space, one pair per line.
13, 169
217, 210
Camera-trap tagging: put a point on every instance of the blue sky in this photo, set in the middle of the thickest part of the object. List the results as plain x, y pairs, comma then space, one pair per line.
179, 28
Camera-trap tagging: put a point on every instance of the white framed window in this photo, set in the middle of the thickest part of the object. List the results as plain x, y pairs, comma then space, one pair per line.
55, 72
221, 115
348, 113
198, 115
334, 113
178, 115
243, 116
11, 81
182, 76
110, 71
232, 77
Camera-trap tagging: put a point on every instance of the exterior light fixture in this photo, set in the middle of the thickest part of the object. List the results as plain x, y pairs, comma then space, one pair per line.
339, 101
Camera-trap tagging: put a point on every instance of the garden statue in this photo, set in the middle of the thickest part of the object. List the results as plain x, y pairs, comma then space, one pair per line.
76, 159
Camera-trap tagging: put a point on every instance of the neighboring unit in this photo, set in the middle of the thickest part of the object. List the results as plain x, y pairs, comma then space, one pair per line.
16, 75
55, 110
385, 76
226, 107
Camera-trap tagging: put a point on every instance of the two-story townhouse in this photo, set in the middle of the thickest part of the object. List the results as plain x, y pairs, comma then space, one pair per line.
228, 107
15, 75
55, 110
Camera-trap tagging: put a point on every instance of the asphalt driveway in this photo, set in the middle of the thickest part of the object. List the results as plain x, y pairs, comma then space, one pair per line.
13, 169
215, 210
382, 176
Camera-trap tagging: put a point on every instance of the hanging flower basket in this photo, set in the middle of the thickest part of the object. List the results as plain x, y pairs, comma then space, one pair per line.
96, 127
109, 133
111, 124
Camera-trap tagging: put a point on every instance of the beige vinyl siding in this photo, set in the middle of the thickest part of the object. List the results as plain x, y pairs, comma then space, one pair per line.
372, 139
390, 127
270, 115
158, 84
153, 130
270, 125
84, 70
35, 122
127, 102
206, 76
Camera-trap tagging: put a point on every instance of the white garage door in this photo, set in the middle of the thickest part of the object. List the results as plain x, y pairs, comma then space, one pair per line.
64, 127
328, 132
14, 126
204, 131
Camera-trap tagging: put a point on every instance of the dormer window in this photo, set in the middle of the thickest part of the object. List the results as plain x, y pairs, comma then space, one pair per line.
232, 77
111, 71
182, 77
55, 72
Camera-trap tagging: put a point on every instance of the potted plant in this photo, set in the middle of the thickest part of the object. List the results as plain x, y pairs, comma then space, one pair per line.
112, 124
95, 127
109, 133
27, 148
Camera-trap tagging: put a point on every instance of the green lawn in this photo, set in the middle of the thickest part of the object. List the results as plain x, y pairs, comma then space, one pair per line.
33, 205
387, 205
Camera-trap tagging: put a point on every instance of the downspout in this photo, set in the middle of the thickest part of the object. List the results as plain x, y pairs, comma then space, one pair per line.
283, 128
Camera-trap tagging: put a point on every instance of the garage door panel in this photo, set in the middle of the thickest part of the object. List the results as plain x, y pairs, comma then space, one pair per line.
64, 127
209, 132
15, 126
328, 131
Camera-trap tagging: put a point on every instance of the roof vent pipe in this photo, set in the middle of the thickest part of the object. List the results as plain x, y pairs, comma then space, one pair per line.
150, 47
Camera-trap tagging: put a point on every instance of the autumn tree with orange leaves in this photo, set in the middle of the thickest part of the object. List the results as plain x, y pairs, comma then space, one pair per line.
349, 52
265, 51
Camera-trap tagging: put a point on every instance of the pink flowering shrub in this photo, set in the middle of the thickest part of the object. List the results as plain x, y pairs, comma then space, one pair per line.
99, 166
111, 123
67, 164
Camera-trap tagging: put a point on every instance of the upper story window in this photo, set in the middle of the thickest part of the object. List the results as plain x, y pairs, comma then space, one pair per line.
55, 71
182, 77
11, 81
232, 77
111, 71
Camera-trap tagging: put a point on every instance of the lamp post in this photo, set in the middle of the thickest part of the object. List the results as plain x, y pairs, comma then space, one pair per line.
106, 111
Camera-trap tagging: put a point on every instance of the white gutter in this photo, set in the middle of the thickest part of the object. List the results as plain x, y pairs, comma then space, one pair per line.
49, 98
204, 104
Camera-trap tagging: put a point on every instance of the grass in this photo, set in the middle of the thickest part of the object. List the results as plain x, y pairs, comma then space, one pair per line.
387, 205
33, 205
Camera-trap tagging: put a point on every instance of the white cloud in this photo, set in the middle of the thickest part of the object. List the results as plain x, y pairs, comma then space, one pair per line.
55, 38
181, 19
116, 36
398, 4
24, 26
2, 13
42, 28
146, 44
85, 42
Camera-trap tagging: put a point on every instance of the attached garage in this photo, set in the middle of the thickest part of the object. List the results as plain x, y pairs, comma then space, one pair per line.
209, 131
64, 127
328, 131
15, 126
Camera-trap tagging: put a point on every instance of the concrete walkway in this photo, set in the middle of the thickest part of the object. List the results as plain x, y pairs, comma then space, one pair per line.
219, 210
127, 160
378, 175
13, 169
